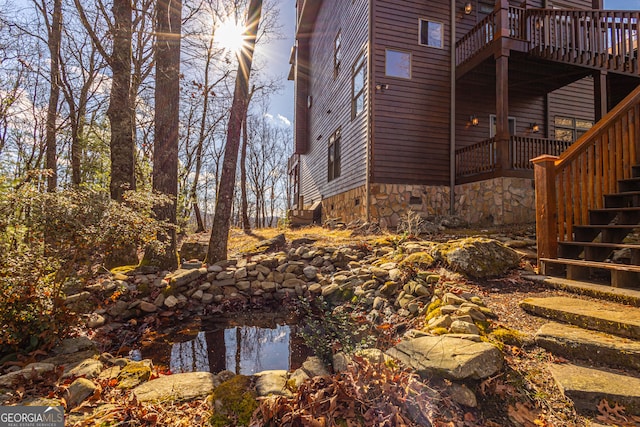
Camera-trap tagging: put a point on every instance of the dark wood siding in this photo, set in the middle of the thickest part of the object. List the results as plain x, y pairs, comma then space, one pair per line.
331, 100
574, 101
570, 4
411, 117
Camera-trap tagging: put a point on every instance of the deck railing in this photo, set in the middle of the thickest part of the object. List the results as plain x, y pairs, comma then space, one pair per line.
482, 157
569, 185
594, 38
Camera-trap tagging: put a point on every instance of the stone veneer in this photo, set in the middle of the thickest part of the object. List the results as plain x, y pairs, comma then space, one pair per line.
490, 202
497, 201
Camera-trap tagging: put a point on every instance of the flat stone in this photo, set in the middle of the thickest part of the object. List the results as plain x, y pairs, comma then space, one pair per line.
181, 276
171, 301
577, 343
330, 289
603, 316
461, 394
449, 357
460, 327
587, 387
89, 368
29, 371
186, 386
78, 391
273, 383
314, 367
134, 373
148, 307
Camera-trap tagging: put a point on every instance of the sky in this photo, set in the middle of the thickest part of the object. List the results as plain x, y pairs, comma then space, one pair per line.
277, 55
622, 4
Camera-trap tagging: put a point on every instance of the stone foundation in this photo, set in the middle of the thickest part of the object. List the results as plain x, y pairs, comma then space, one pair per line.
346, 207
391, 202
491, 202
496, 201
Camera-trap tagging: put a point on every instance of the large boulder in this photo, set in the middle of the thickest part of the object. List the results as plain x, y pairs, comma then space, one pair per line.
477, 257
187, 386
449, 357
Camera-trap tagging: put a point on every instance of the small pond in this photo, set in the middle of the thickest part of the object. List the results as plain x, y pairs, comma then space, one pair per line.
244, 344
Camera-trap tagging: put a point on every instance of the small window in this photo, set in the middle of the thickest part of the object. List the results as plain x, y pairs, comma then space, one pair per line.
359, 85
397, 64
570, 129
431, 33
333, 157
337, 54
493, 121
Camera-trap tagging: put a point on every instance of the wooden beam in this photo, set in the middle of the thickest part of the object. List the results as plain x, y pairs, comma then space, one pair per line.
502, 112
600, 94
546, 209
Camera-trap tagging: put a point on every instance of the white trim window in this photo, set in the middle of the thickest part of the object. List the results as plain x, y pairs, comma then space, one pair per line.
431, 33
359, 84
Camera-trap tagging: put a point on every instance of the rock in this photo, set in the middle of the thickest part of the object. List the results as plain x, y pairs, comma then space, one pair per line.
315, 288
462, 395
460, 327
292, 283
314, 367
89, 368
207, 298
452, 299
170, 301
378, 272
297, 378
330, 289
310, 272
29, 371
78, 391
440, 322
475, 314
389, 289
341, 362
181, 277
74, 345
421, 290
477, 257
421, 260
95, 320
272, 383
187, 386
270, 245
453, 358
133, 374
240, 273
148, 307
194, 250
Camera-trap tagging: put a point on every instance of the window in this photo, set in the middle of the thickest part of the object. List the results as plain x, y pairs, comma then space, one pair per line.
359, 84
333, 157
431, 33
493, 121
337, 54
570, 129
397, 64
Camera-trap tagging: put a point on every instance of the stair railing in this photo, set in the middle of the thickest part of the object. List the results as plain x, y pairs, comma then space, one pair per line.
567, 186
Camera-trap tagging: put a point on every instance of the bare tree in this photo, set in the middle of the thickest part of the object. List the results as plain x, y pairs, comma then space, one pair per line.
220, 228
167, 95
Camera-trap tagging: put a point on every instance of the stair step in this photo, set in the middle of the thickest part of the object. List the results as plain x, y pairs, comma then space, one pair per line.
573, 342
621, 275
588, 386
622, 199
596, 251
614, 233
625, 215
603, 316
627, 185
602, 245
604, 292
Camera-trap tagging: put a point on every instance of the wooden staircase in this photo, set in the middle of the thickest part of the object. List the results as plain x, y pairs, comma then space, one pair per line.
588, 202
592, 253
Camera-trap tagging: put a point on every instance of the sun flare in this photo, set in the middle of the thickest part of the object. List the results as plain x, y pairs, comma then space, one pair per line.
230, 36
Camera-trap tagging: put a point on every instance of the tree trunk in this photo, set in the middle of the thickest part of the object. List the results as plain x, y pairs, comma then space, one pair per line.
120, 110
55, 36
167, 97
220, 228
246, 225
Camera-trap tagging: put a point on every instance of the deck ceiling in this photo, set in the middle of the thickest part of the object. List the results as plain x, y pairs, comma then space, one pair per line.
538, 76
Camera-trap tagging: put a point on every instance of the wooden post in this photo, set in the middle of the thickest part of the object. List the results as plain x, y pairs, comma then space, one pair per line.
502, 113
546, 209
600, 94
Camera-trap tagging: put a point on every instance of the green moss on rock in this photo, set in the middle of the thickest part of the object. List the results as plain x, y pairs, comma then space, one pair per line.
234, 402
418, 260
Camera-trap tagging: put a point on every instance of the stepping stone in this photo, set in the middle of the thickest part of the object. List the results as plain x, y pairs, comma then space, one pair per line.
601, 316
576, 343
587, 387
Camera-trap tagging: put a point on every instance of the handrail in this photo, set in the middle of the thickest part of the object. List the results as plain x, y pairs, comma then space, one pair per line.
568, 186
605, 39
476, 158
476, 39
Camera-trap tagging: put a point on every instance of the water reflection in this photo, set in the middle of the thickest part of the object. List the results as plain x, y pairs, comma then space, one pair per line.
240, 349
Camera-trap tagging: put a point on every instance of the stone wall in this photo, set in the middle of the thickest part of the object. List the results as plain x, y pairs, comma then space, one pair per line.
347, 206
490, 202
496, 201
390, 202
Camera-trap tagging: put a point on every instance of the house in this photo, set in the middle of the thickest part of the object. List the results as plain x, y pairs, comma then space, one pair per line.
391, 115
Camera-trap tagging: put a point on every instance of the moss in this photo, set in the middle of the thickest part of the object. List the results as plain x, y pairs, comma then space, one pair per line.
433, 313
124, 269
439, 331
133, 374
418, 259
508, 336
234, 402
434, 305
